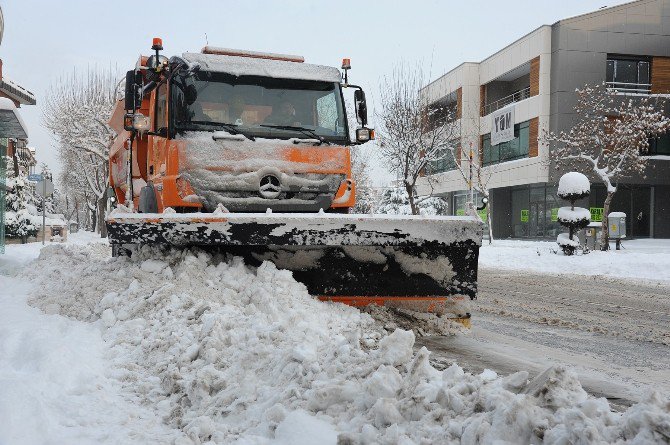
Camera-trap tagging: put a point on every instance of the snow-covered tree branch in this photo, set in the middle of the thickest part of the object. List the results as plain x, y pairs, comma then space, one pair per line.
609, 138
412, 133
77, 109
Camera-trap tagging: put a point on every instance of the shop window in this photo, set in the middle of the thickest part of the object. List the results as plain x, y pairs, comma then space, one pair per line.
517, 148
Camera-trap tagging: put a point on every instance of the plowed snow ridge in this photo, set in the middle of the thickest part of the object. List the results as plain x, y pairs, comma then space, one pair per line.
226, 353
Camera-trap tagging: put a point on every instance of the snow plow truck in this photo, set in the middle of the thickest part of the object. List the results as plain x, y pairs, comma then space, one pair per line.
248, 153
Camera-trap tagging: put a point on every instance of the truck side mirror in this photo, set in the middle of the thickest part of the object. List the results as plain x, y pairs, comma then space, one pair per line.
132, 100
361, 107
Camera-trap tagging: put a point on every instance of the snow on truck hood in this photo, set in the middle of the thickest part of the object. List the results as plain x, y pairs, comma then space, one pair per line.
249, 66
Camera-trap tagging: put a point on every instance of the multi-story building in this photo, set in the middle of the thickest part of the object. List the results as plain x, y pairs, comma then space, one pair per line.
533, 82
13, 134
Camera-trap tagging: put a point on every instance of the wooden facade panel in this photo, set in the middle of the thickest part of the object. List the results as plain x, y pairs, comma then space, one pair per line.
535, 76
482, 99
532, 138
660, 75
459, 103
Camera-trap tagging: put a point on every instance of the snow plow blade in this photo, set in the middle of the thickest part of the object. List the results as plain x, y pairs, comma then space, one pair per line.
427, 264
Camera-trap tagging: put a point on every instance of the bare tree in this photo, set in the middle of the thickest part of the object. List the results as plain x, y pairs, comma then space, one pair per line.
77, 110
470, 166
608, 139
412, 132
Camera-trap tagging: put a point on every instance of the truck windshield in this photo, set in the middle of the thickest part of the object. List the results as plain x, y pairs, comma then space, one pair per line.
259, 106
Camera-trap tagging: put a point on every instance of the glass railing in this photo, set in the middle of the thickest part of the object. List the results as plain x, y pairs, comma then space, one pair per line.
629, 88
501, 103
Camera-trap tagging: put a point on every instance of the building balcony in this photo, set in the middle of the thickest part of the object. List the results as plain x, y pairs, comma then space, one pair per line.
517, 96
629, 88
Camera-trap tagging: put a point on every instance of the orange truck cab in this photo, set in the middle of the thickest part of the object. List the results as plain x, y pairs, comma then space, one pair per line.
236, 130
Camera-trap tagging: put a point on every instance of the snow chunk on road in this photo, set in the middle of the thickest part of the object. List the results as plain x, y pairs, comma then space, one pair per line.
302, 428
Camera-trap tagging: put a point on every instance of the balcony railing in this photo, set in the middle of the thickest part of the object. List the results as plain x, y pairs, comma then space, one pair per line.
501, 103
629, 88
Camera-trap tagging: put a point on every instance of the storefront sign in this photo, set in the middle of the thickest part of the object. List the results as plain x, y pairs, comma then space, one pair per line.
554, 214
524, 216
502, 125
596, 214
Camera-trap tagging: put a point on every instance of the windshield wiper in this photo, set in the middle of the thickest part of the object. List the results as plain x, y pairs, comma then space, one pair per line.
306, 131
230, 128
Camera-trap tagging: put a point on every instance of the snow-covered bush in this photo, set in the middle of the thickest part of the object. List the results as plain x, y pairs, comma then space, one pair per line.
395, 201
571, 187
20, 224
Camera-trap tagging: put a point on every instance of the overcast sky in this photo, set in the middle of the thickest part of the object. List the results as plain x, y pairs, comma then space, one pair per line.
46, 39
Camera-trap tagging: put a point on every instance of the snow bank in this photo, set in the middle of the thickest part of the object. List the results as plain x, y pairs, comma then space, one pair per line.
229, 354
573, 183
642, 259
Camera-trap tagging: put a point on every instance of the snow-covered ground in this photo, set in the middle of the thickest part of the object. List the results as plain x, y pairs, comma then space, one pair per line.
640, 259
186, 348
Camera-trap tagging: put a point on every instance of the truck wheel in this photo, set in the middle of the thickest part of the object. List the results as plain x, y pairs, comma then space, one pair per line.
148, 202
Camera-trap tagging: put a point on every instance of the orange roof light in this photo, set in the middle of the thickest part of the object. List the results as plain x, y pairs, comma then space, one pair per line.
346, 64
157, 43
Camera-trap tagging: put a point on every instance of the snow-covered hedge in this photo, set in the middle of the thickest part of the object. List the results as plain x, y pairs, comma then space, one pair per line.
395, 201
573, 184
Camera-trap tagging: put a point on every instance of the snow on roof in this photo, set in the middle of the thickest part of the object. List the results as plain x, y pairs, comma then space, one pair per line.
250, 66
11, 124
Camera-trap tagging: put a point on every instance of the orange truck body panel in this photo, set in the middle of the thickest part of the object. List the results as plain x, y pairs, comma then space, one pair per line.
158, 159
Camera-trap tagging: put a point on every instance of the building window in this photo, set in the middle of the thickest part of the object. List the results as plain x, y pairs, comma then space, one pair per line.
628, 75
444, 161
517, 148
659, 146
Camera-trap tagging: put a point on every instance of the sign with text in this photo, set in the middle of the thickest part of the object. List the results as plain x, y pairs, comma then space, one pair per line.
524, 215
502, 125
596, 214
34, 177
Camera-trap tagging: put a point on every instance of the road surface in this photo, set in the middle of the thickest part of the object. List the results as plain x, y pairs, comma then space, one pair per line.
614, 333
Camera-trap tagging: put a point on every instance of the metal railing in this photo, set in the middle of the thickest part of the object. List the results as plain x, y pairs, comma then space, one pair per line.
500, 103
629, 88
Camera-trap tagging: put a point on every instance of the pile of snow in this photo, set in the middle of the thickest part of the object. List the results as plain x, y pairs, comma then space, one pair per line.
573, 183
229, 354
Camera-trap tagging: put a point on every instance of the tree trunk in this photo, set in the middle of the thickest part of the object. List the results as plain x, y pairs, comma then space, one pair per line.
410, 193
102, 203
605, 234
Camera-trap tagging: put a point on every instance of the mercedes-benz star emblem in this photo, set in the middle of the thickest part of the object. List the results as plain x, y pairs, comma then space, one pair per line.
270, 187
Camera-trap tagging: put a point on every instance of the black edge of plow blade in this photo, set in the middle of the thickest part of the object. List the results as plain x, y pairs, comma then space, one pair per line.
420, 263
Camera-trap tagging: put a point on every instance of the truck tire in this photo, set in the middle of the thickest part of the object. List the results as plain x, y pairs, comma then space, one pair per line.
148, 202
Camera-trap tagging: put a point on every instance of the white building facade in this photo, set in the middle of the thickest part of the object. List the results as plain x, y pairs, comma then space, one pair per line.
534, 78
